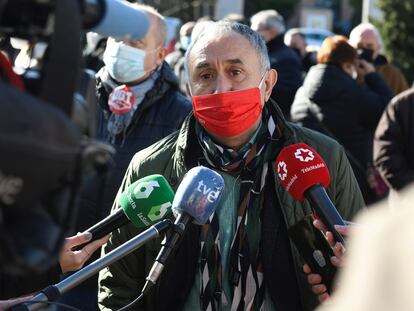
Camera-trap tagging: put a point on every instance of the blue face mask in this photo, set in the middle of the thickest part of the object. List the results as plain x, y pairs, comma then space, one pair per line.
124, 63
185, 42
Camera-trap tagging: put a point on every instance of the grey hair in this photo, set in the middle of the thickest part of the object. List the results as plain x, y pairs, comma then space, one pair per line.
293, 32
161, 28
356, 33
222, 27
269, 19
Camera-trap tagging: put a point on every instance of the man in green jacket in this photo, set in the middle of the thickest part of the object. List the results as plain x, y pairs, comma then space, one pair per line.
236, 131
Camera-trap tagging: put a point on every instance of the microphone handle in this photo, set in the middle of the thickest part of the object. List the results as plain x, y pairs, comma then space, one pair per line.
105, 226
174, 239
325, 209
169, 244
52, 292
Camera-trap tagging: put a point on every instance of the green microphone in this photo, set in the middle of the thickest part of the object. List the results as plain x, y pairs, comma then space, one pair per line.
143, 203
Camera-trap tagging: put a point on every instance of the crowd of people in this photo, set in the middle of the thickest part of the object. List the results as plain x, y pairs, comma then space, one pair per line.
230, 97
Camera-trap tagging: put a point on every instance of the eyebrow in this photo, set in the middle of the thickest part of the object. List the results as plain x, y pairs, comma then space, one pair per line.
234, 61
230, 61
202, 65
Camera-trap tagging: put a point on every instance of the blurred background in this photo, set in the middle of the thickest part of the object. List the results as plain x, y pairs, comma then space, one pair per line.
319, 18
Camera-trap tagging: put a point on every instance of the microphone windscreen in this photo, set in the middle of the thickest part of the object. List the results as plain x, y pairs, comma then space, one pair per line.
122, 19
299, 167
147, 200
198, 194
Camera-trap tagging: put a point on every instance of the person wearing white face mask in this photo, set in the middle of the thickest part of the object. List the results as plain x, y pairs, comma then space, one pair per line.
139, 102
176, 58
332, 102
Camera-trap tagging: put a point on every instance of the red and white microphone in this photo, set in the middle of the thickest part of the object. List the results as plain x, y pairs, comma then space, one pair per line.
303, 174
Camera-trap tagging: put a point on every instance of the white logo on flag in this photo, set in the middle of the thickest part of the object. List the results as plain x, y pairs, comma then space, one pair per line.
304, 155
282, 170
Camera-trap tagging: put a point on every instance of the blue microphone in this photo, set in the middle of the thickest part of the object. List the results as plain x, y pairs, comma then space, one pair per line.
116, 18
196, 199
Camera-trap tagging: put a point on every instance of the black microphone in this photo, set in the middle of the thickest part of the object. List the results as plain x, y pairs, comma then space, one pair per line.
303, 173
196, 199
145, 202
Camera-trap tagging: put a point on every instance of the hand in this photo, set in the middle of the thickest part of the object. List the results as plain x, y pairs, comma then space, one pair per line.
315, 280
7, 304
338, 248
70, 260
363, 67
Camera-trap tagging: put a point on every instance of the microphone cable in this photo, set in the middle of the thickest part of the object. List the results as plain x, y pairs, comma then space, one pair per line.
134, 302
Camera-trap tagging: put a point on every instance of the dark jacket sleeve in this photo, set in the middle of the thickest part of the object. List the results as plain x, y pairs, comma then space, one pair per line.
373, 98
289, 79
393, 148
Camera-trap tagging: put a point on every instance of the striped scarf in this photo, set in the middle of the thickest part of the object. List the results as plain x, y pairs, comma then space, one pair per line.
245, 277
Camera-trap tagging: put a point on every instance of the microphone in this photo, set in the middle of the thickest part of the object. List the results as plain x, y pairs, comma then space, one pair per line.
109, 18
143, 203
115, 18
303, 173
196, 199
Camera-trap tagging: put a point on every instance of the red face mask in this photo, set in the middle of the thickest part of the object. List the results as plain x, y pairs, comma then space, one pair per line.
228, 114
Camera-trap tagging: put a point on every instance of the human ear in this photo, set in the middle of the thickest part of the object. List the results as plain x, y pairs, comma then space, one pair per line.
269, 82
162, 52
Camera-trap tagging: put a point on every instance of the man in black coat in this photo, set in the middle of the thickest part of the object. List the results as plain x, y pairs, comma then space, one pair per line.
394, 141
271, 26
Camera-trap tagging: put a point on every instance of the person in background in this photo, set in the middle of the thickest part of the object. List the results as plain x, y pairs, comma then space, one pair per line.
139, 102
93, 51
296, 40
332, 102
236, 18
366, 37
237, 130
176, 58
394, 141
270, 24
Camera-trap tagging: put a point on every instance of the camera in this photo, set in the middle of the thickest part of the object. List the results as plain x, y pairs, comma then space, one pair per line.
43, 154
366, 54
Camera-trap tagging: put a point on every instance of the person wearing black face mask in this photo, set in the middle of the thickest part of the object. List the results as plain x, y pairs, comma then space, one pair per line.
366, 37
332, 102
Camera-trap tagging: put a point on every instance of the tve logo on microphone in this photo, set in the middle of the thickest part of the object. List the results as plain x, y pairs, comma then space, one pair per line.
212, 195
298, 166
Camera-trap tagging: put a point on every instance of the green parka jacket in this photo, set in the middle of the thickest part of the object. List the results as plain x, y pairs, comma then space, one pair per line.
172, 157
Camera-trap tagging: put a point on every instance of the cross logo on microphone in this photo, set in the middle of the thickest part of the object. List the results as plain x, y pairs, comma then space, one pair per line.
282, 170
304, 155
